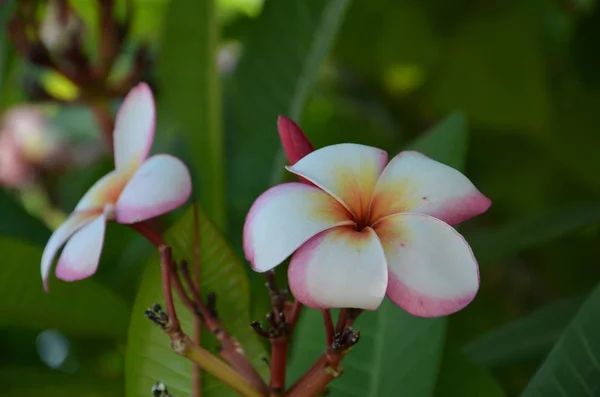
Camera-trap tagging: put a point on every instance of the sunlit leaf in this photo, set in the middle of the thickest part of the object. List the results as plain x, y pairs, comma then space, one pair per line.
149, 355
573, 366
83, 308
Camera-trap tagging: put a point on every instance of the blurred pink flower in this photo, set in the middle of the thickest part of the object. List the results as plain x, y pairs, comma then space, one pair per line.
363, 230
139, 188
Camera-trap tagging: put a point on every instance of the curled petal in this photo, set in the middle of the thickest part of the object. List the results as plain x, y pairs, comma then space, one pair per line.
105, 191
160, 185
347, 171
432, 270
134, 128
412, 182
283, 218
58, 238
295, 144
81, 255
341, 268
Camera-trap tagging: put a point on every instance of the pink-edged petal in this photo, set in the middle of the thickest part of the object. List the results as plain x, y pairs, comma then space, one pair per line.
134, 128
160, 185
347, 171
341, 268
81, 255
412, 182
432, 270
283, 218
58, 238
104, 192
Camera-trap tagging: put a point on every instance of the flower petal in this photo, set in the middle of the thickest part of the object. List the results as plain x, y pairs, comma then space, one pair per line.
160, 185
340, 267
347, 171
81, 255
105, 191
134, 128
432, 270
412, 182
283, 218
58, 238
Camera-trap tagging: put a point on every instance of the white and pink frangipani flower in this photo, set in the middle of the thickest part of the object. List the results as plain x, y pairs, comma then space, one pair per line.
366, 230
139, 188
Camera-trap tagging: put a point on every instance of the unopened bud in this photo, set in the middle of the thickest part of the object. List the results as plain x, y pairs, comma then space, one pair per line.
295, 144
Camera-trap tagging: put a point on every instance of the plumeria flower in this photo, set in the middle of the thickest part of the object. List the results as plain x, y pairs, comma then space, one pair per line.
139, 188
362, 230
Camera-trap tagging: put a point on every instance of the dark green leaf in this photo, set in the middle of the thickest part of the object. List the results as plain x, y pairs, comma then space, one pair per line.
16, 222
149, 355
531, 336
283, 53
190, 93
573, 366
498, 243
446, 142
397, 355
459, 373
83, 308
24, 381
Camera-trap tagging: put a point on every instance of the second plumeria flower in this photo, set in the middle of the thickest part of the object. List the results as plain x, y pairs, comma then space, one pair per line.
139, 188
363, 230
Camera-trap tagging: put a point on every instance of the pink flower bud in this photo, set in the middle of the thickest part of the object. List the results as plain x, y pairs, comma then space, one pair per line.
295, 144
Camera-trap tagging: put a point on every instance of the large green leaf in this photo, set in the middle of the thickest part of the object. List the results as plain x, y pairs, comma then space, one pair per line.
459, 372
528, 337
397, 355
149, 356
283, 53
17, 222
497, 243
83, 308
573, 366
190, 92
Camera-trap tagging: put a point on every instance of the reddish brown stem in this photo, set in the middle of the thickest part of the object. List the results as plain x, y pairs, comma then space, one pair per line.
279, 347
328, 321
316, 379
295, 314
148, 230
166, 272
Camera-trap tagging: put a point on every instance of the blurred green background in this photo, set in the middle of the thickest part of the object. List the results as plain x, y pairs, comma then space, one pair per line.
508, 90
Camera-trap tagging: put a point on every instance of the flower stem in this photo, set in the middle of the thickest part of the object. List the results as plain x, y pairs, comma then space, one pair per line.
328, 326
279, 347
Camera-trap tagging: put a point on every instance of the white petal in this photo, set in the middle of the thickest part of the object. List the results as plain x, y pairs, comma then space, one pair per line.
412, 182
432, 270
81, 255
105, 191
283, 218
58, 238
160, 185
341, 268
347, 171
134, 128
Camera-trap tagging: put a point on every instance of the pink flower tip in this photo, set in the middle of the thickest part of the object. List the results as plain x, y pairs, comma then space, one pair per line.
295, 143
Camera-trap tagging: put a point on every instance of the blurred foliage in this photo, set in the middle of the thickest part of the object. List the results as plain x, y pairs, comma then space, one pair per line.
521, 77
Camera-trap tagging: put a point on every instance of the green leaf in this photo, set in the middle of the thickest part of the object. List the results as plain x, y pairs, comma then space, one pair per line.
497, 243
531, 336
282, 55
573, 366
17, 222
459, 372
397, 355
78, 308
190, 93
19, 381
149, 355
446, 142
